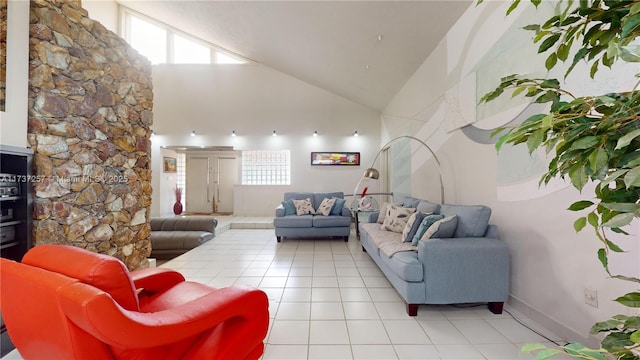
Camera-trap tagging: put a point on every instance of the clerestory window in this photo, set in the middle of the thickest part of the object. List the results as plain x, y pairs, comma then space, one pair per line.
163, 44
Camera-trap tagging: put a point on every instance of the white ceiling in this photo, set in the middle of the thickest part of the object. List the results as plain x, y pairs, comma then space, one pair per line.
331, 44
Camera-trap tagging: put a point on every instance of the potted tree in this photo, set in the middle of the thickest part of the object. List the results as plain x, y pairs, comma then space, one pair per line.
592, 138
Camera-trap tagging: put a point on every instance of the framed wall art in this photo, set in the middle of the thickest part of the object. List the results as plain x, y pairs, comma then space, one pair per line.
335, 158
169, 165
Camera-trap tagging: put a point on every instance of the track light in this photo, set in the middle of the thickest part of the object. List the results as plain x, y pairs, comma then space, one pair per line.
356, 133
315, 133
193, 133
233, 133
274, 133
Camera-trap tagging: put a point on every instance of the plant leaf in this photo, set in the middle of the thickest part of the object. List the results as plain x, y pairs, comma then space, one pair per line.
585, 142
630, 24
582, 352
580, 205
619, 220
548, 42
627, 138
578, 176
545, 354
602, 256
631, 299
598, 159
579, 224
552, 60
513, 6
632, 178
622, 207
607, 325
535, 139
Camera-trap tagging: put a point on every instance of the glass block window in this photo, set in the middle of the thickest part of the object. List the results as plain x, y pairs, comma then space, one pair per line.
181, 175
266, 167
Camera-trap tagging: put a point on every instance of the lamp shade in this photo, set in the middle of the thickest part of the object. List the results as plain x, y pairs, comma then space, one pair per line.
371, 173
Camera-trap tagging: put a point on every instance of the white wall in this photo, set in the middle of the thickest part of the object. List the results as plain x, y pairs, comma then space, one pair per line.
13, 121
551, 264
104, 11
254, 100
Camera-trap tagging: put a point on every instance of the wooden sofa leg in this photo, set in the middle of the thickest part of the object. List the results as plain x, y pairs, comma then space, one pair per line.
495, 307
412, 309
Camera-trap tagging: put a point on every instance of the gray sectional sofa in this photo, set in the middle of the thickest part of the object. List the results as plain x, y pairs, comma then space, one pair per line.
470, 266
173, 236
290, 224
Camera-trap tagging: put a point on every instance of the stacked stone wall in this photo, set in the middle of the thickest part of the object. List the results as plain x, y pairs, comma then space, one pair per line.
90, 112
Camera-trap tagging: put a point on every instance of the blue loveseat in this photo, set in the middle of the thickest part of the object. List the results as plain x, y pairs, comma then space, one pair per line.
288, 223
469, 265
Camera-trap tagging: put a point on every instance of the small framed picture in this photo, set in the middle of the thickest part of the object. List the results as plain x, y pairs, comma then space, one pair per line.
335, 158
169, 165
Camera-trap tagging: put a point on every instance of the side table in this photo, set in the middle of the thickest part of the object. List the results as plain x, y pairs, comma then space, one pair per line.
356, 215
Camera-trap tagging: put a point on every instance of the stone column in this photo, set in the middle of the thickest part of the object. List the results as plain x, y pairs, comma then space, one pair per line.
90, 112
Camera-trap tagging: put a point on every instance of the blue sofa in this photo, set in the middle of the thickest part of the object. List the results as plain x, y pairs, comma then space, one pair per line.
337, 223
472, 266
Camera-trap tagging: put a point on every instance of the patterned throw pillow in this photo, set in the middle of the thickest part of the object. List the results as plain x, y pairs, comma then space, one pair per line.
397, 217
383, 212
442, 229
304, 207
424, 226
325, 206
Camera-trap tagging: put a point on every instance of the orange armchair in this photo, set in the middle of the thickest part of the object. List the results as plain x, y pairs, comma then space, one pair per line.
63, 302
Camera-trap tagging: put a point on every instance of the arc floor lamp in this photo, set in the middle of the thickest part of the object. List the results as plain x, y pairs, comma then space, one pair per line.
373, 173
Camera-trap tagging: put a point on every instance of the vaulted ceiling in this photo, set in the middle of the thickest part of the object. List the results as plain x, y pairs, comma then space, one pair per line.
362, 50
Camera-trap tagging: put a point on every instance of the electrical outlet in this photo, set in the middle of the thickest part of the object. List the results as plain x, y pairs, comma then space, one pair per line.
591, 297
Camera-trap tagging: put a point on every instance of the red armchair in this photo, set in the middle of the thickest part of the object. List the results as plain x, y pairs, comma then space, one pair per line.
63, 302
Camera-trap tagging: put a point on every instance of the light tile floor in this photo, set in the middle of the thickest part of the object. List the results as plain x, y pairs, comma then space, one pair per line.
328, 300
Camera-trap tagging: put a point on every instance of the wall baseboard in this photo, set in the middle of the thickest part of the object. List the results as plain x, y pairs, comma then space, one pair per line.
549, 323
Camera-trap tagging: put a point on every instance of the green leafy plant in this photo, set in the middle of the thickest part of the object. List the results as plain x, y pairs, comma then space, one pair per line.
590, 138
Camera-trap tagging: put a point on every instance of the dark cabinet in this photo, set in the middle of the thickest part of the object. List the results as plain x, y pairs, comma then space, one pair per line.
15, 212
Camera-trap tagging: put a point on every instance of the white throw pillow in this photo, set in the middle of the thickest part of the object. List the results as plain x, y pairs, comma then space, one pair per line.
325, 206
397, 217
407, 228
303, 207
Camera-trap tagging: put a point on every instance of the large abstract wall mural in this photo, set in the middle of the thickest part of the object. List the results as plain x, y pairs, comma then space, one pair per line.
518, 172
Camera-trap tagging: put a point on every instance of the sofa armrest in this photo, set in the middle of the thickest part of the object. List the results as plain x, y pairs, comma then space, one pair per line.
373, 217
153, 280
280, 211
492, 231
478, 266
346, 212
